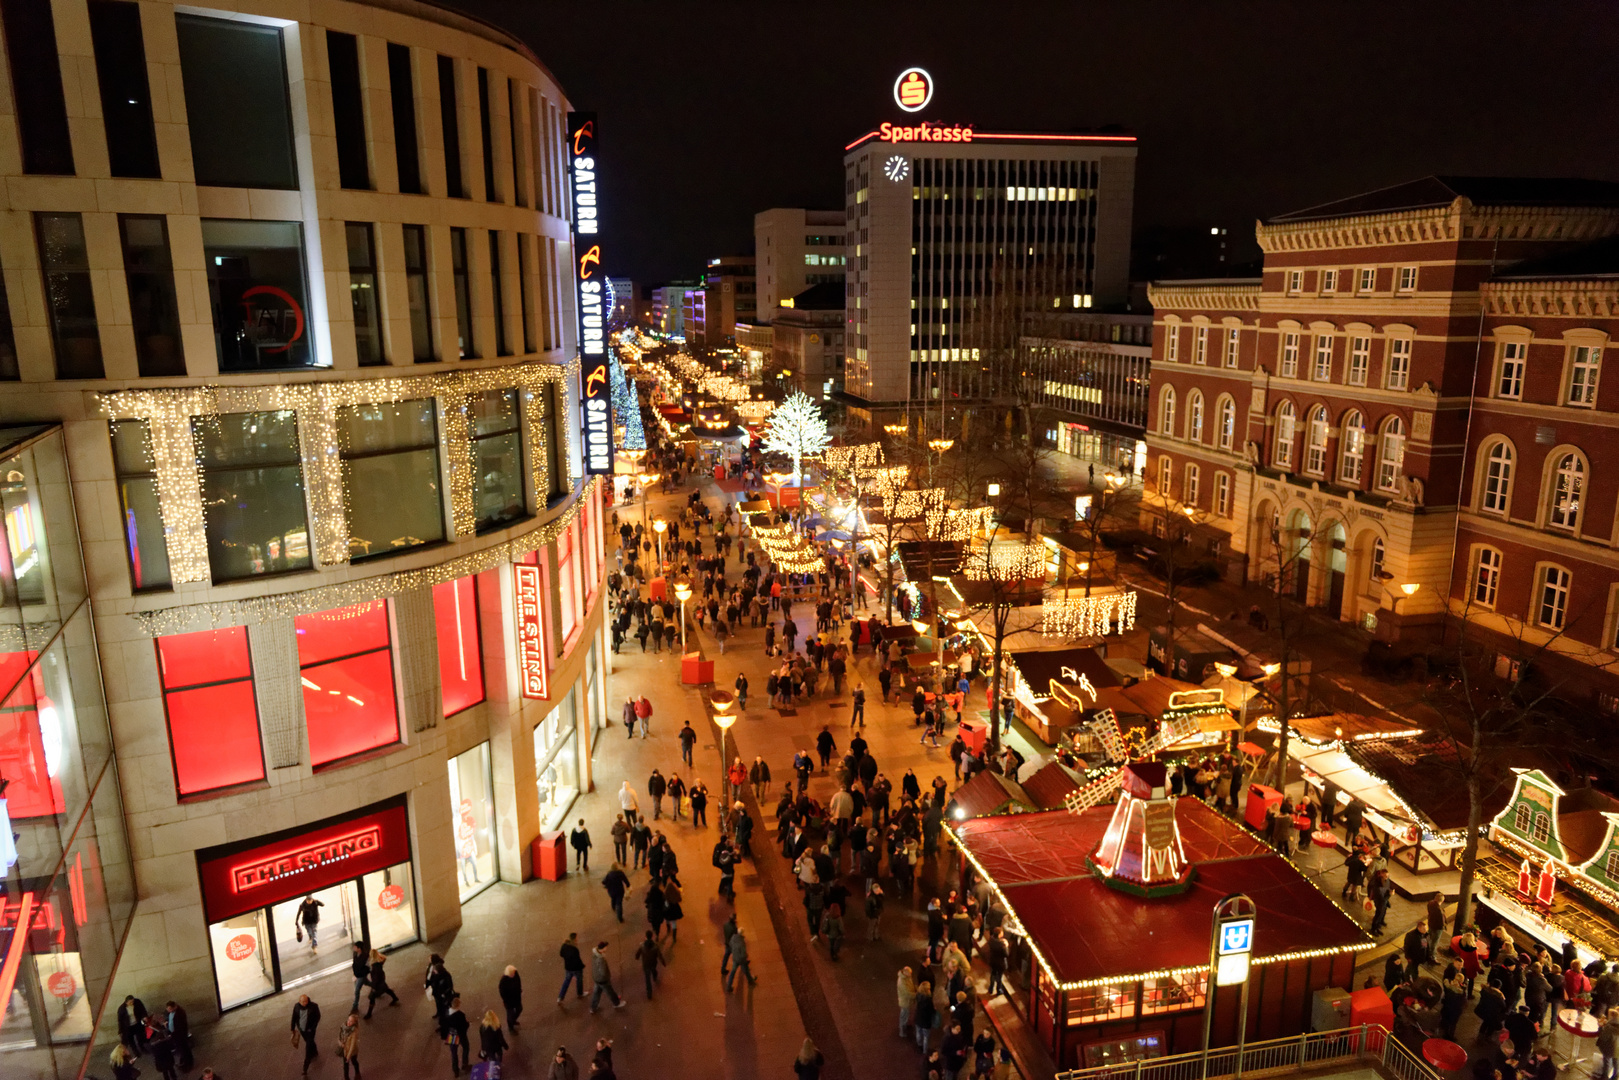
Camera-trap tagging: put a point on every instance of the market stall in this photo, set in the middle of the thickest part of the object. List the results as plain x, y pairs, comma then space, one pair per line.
1052, 688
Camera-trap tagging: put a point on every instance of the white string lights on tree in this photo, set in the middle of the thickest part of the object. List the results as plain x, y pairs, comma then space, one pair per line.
786, 548
844, 459
169, 414
1006, 563
914, 503
1089, 616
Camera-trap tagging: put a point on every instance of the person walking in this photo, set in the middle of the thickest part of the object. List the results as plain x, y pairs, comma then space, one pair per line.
617, 883
627, 716
360, 966
736, 777
621, 840
511, 995
348, 1044
739, 961
563, 1067
1381, 892
579, 839
309, 918
377, 977
759, 776
688, 739
650, 953
305, 1022
858, 714
832, 927
905, 988
874, 912
995, 953
602, 975
640, 842
807, 1065
492, 1044
741, 690
643, 714
573, 968
627, 801
672, 911
698, 793
455, 1029
656, 785
924, 1014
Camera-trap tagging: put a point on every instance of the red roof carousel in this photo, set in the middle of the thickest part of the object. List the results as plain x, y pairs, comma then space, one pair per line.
1115, 904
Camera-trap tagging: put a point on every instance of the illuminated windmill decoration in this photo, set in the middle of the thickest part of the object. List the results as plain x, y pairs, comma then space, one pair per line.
1179, 721
1141, 851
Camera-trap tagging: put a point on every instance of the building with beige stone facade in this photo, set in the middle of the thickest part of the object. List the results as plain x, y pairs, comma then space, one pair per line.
285, 344
1312, 422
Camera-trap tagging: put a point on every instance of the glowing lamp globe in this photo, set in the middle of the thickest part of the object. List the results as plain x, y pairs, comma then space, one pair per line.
682, 592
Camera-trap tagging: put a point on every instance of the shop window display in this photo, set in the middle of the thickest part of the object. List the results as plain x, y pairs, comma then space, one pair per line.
556, 749
213, 715
391, 475
472, 801
346, 660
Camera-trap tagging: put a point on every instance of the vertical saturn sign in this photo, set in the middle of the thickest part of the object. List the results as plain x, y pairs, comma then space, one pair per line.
590, 283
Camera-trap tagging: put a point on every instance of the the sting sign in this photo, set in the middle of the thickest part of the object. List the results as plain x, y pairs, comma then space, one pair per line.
530, 630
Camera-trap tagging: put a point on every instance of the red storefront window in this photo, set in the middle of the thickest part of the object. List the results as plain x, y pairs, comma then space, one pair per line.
460, 656
568, 582
592, 539
31, 748
346, 658
213, 715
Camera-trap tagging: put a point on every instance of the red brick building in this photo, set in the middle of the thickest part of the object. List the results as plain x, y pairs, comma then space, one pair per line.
1318, 421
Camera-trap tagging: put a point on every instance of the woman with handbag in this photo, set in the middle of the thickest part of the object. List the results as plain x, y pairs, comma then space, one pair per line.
348, 1045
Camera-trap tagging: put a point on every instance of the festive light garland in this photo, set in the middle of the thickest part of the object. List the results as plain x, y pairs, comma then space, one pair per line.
913, 503
1003, 562
845, 459
1089, 616
324, 598
169, 414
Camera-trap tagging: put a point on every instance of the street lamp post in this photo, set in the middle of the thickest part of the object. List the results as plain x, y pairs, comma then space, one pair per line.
682, 593
722, 700
660, 526
645, 479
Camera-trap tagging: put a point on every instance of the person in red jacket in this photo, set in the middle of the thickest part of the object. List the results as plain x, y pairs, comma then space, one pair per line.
643, 713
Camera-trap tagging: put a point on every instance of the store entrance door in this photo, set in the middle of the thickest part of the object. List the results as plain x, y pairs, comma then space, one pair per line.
324, 950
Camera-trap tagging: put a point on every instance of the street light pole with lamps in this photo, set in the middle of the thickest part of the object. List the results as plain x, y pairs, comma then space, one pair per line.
682, 593
646, 479
660, 526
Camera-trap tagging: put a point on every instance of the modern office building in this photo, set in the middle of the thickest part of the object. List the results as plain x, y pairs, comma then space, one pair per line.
669, 306
726, 298
1349, 425
1089, 373
794, 249
807, 350
344, 575
953, 235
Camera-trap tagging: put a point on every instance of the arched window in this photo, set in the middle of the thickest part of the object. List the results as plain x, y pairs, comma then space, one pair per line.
1315, 444
1282, 457
1166, 411
1194, 417
1228, 423
1568, 483
1166, 469
1375, 570
1498, 462
1352, 448
1391, 455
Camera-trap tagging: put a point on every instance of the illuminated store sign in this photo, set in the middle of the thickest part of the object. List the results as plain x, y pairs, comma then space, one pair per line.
913, 89
590, 282
925, 132
530, 631
262, 871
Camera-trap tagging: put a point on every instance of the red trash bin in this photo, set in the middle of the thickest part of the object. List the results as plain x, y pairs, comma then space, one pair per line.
973, 735
550, 855
1260, 800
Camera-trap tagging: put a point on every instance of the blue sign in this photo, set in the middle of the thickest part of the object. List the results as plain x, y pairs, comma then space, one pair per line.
1236, 936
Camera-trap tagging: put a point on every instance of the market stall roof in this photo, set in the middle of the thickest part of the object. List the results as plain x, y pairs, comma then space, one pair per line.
1086, 930
1581, 824
1039, 666
1149, 697
914, 555
988, 793
1050, 784
1424, 771
1332, 764
1330, 727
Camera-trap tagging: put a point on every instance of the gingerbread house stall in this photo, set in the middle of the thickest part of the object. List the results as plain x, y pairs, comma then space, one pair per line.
1115, 903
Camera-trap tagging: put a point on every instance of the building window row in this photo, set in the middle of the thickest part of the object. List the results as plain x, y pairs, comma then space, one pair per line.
1190, 493
1563, 485
252, 482
1577, 380
1551, 588
1351, 431
1361, 281
1322, 351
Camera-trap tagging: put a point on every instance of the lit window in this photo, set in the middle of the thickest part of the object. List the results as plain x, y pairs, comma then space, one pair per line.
1552, 608
1166, 411
1329, 281
1497, 478
1322, 371
1399, 374
1523, 818
1189, 491
252, 493
256, 288
213, 716
1582, 375
1391, 456
1368, 279
1486, 576
497, 458
1232, 341
1611, 865
1200, 345
1379, 552
1285, 417
1295, 282
1408, 278
1360, 360
142, 521
1568, 481
1165, 472
345, 657
1509, 384
1353, 448
1228, 423
1194, 417
1172, 341
390, 476
1222, 494
1543, 826
1315, 447
1290, 356
460, 653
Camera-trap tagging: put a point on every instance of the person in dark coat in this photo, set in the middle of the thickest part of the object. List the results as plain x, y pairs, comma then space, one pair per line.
511, 995
377, 976
162, 1048
491, 1040
455, 1029
305, 1022
180, 1033
1521, 1030
573, 968
580, 840
1416, 945
440, 984
616, 884
132, 1023
1491, 1011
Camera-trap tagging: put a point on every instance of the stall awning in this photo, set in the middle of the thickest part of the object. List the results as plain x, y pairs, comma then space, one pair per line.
1336, 766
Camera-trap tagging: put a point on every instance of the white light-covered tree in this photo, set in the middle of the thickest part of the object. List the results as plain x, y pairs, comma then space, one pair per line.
796, 429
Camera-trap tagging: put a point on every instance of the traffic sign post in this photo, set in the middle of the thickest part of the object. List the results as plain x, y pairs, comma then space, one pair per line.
1231, 946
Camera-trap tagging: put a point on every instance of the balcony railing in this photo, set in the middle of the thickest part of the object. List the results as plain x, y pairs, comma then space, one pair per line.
1271, 1057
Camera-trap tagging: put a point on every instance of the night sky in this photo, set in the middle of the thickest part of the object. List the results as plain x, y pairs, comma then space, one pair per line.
710, 112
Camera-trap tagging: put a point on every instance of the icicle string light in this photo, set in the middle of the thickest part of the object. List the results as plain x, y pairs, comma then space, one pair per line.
1089, 616
170, 412
845, 459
